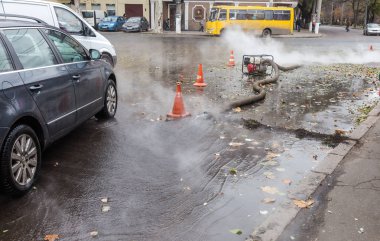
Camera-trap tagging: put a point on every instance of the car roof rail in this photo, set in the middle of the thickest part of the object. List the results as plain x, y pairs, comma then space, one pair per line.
22, 16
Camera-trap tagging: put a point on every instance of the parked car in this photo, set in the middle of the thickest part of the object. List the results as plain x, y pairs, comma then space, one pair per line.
372, 29
93, 17
60, 16
49, 84
135, 24
111, 23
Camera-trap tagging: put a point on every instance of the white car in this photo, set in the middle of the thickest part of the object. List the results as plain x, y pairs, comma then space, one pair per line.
372, 29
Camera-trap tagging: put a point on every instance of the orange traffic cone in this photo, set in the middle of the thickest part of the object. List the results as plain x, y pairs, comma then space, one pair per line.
200, 82
370, 48
178, 107
231, 62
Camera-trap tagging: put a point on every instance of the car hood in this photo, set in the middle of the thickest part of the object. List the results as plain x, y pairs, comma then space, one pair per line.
132, 24
376, 28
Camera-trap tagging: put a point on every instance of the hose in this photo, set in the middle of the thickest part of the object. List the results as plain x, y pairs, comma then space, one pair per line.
257, 85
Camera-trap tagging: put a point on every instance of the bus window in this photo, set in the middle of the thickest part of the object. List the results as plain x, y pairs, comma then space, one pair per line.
259, 15
213, 14
281, 15
268, 15
223, 14
241, 15
233, 14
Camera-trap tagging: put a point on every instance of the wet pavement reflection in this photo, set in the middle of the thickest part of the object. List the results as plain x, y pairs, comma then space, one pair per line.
192, 179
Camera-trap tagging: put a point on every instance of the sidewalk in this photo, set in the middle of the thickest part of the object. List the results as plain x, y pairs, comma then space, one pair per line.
303, 34
347, 202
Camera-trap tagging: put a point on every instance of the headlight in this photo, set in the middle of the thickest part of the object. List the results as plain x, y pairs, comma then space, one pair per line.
124, 25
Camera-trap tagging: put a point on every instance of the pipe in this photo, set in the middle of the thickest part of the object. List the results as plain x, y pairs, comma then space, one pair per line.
258, 89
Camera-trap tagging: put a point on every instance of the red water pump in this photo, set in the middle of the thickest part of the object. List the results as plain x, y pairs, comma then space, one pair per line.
254, 65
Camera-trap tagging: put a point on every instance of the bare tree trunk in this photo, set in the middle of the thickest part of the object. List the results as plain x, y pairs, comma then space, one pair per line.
158, 15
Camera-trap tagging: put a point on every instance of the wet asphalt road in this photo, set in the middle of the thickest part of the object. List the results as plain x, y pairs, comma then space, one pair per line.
176, 180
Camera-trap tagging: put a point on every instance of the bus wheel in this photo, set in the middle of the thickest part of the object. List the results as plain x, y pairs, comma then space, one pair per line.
266, 33
221, 32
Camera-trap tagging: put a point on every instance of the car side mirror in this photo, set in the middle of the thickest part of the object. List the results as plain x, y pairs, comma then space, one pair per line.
94, 54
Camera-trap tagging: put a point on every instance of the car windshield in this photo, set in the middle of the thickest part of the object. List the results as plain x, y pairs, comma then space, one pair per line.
373, 25
110, 19
213, 14
133, 20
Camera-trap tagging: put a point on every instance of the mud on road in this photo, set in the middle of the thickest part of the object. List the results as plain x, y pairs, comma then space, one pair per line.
200, 177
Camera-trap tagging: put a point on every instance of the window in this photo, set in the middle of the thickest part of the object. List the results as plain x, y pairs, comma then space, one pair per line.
268, 15
68, 21
233, 14
259, 15
111, 9
5, 62
69, 49
281, 15
95, 6
241, 15
223, 14
31, 48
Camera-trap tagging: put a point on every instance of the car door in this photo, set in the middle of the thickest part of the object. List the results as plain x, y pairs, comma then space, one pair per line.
120, 22
85, 74
46, 81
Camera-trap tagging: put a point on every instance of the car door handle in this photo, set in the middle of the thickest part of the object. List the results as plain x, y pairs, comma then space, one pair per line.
76, 77
35, 87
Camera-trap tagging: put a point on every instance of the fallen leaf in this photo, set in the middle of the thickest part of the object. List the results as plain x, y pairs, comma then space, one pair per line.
287, 181
270, 190
236, 231
269, 175
237, 109
6, 230
303, 204
340, 132
268, 200
94, 233
269, 163
248, 140
104, 200
236, 144
51, 237
233, 171
272, 155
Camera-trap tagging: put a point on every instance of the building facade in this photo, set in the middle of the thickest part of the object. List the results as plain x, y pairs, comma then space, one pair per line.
192, 11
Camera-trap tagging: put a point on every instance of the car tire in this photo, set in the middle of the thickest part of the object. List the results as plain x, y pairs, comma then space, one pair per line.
266, 33
110, 102
20, 161
106, 57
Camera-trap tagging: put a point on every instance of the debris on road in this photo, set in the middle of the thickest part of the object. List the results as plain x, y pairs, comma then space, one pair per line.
233, 171
263, 212
269, 175
105, 208
361, 230
236, 144
236, 231
104, 200
94, 233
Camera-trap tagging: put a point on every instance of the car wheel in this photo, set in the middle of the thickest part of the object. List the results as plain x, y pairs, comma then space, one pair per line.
266, 33
106, 57
20, 160
110, 102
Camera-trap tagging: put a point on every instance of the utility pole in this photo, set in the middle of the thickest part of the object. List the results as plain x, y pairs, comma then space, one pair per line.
342, 14
178, 16
332, 12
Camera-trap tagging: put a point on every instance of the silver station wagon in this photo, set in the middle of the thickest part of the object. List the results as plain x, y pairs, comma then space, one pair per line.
49, 84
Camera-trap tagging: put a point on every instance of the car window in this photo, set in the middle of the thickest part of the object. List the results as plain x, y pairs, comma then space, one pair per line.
30, 47
5, 62
71, 51
68, 21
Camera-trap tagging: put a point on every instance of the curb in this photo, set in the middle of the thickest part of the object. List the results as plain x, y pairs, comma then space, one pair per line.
274, 225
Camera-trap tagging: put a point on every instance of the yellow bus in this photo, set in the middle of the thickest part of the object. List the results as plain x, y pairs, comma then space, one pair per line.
262, 20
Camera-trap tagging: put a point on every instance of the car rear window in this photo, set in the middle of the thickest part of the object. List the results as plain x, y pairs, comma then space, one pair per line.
31, 48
